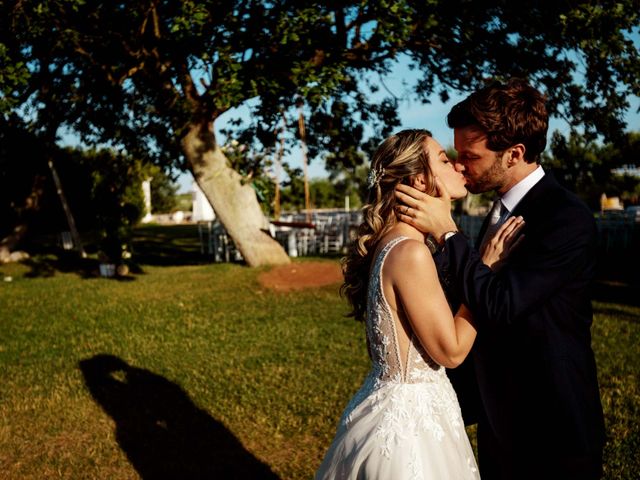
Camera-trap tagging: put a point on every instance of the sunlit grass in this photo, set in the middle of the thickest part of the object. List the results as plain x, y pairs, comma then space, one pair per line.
274, 370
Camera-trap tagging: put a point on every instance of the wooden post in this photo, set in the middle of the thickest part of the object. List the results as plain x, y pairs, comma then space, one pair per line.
303, 144
279, 154
67, 210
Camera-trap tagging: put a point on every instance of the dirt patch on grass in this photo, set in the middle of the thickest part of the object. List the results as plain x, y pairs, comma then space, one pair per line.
299, 276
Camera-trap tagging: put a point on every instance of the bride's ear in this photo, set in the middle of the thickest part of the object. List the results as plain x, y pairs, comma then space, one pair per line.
425, 184
419, 182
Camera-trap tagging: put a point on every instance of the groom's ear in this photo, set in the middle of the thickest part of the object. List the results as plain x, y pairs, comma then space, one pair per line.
515, 154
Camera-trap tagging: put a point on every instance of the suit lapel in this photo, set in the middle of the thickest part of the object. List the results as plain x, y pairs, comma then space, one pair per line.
528, 203
531, 200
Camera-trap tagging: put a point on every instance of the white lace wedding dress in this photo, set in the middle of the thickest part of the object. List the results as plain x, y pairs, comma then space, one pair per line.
405, 421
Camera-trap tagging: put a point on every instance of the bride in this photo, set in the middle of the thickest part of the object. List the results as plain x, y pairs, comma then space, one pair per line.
405, 420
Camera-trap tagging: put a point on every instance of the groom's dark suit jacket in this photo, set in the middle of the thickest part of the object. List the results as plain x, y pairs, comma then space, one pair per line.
533, 362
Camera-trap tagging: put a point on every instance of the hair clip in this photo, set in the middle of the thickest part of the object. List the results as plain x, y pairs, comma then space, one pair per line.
374, 177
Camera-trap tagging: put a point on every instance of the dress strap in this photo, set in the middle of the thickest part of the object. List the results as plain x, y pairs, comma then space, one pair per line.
390, 244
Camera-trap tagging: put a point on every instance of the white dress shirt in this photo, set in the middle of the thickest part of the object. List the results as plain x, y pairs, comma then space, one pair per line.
512, 198
503, 206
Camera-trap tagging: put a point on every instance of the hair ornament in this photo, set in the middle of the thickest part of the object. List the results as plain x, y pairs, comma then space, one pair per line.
374, 177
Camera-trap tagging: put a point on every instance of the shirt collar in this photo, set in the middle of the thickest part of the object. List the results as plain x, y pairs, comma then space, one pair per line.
516, 193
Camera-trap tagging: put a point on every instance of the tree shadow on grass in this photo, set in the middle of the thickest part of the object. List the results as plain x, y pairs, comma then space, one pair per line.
158, 245
162, 432
45, 266
168, 245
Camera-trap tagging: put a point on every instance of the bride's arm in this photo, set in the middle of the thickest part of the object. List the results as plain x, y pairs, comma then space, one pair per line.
446, 338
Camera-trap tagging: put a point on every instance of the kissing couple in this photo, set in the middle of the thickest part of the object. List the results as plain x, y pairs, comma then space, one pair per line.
497, 334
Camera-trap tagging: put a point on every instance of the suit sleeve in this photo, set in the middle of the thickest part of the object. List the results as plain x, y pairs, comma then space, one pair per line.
554, 252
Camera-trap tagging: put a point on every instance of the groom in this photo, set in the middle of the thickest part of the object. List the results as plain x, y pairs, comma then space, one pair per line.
540, 415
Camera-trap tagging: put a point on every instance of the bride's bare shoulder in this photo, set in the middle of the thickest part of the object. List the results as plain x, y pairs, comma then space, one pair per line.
409, 255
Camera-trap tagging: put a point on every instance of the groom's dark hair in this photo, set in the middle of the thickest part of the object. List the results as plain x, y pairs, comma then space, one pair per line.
509, 113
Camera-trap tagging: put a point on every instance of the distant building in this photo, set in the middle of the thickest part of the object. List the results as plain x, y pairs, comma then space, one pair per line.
610, 203
202, 211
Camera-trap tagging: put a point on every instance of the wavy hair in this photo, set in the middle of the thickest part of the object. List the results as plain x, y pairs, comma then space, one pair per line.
398, 159
509, 113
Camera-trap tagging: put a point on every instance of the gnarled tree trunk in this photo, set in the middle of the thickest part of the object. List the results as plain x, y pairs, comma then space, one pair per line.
236, 205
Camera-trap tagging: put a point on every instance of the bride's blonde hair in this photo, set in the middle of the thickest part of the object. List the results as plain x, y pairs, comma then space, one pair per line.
398, 159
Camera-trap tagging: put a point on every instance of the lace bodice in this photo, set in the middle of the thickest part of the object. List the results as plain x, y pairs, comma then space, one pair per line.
384, 332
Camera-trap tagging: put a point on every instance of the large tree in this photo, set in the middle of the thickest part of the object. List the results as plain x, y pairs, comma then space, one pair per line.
153, 76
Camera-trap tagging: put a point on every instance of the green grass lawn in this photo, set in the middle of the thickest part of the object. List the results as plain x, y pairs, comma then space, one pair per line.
196, 371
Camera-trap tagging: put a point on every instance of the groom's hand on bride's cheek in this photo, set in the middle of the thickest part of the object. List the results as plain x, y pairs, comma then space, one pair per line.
411, 205
424, 212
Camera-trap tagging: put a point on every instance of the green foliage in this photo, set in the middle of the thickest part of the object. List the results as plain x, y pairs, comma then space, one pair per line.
14, 76
325, 192
586, 167
163, 191
103, 188
136, 76
116, 192
22, 171
581, 54
628, 187
184, 202
104, 192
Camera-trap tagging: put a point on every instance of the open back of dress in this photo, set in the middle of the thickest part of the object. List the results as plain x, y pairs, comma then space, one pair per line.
405, 421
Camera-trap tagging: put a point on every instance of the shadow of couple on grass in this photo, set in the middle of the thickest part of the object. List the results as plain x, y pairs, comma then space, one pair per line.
162, 432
